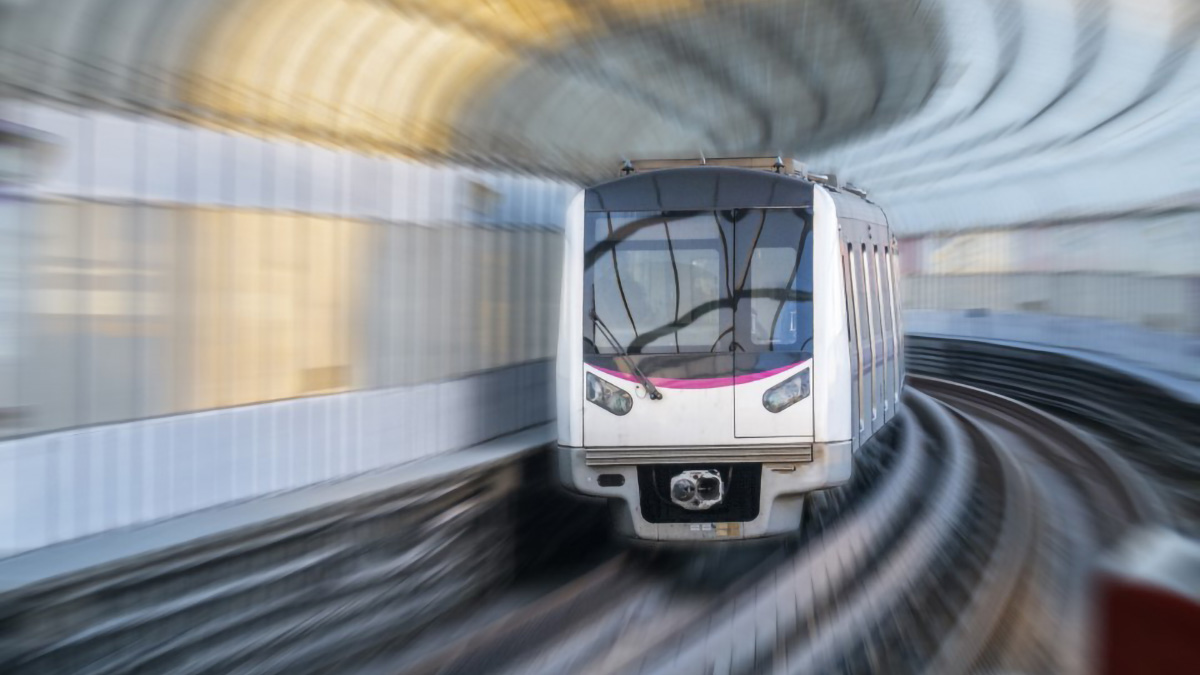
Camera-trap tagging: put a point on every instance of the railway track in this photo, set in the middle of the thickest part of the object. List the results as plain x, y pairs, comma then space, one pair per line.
962, 545
1151, 428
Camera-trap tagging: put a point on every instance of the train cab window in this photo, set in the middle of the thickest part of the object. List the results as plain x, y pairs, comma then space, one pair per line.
655, 282
699, 281
776, 297
688, 282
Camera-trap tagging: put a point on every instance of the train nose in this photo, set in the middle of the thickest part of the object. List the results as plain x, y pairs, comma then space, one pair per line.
697, 490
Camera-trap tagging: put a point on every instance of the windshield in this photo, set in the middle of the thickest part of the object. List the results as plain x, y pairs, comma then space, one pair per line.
670, 282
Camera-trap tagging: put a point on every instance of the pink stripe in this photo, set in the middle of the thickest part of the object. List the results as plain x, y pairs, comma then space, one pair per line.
703, 383
752, 377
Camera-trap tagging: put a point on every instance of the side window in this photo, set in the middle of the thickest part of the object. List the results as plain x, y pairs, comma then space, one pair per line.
868, 304
883, 312
876, 302
867, 336
872, 336
851, 329
885, 301
855, 294
862, 309
893, 267
897, 293
893, 303
881, 304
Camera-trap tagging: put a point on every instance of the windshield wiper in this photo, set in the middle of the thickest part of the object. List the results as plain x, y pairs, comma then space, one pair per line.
655, 395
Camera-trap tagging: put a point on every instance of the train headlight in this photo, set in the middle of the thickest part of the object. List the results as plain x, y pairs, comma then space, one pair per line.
698, 489
608, 396
785, 394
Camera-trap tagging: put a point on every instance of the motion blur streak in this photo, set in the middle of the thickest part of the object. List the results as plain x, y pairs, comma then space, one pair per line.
254, 246
536, 83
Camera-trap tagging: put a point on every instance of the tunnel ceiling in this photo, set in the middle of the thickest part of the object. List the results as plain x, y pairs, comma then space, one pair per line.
553, 84
955, 112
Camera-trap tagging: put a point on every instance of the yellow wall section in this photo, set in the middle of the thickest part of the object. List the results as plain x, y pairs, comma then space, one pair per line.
276, 295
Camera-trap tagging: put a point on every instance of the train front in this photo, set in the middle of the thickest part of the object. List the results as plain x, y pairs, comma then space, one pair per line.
687, 353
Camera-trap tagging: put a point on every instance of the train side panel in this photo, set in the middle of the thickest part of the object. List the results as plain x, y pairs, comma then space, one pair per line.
569, 373
831, 358
874, 340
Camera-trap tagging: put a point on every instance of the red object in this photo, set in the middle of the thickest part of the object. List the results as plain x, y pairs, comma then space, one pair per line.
1149, 606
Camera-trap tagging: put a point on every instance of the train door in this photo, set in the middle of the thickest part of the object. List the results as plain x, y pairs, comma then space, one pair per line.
773, 323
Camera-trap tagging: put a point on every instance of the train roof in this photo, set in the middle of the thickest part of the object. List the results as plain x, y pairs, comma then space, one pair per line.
719, 182
700, 187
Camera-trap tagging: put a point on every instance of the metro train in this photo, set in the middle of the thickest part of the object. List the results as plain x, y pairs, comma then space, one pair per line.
729, 337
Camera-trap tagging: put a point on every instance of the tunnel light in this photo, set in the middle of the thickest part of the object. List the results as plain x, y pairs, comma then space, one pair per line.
787, 393
608, 396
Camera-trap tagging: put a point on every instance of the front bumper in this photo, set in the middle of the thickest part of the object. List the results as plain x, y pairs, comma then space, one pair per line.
781, 494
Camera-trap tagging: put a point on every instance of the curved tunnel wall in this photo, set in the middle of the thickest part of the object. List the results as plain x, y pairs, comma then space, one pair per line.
964, 113
552, 85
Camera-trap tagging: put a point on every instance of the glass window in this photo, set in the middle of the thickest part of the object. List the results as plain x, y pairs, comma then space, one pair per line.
862, 309
890, 329
897, 315
654, 281
877, 308
857, 307
780, 285
852, 332
872, 335
885, 297
666, 282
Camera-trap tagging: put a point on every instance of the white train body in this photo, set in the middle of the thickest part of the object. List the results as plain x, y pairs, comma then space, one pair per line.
711, 368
